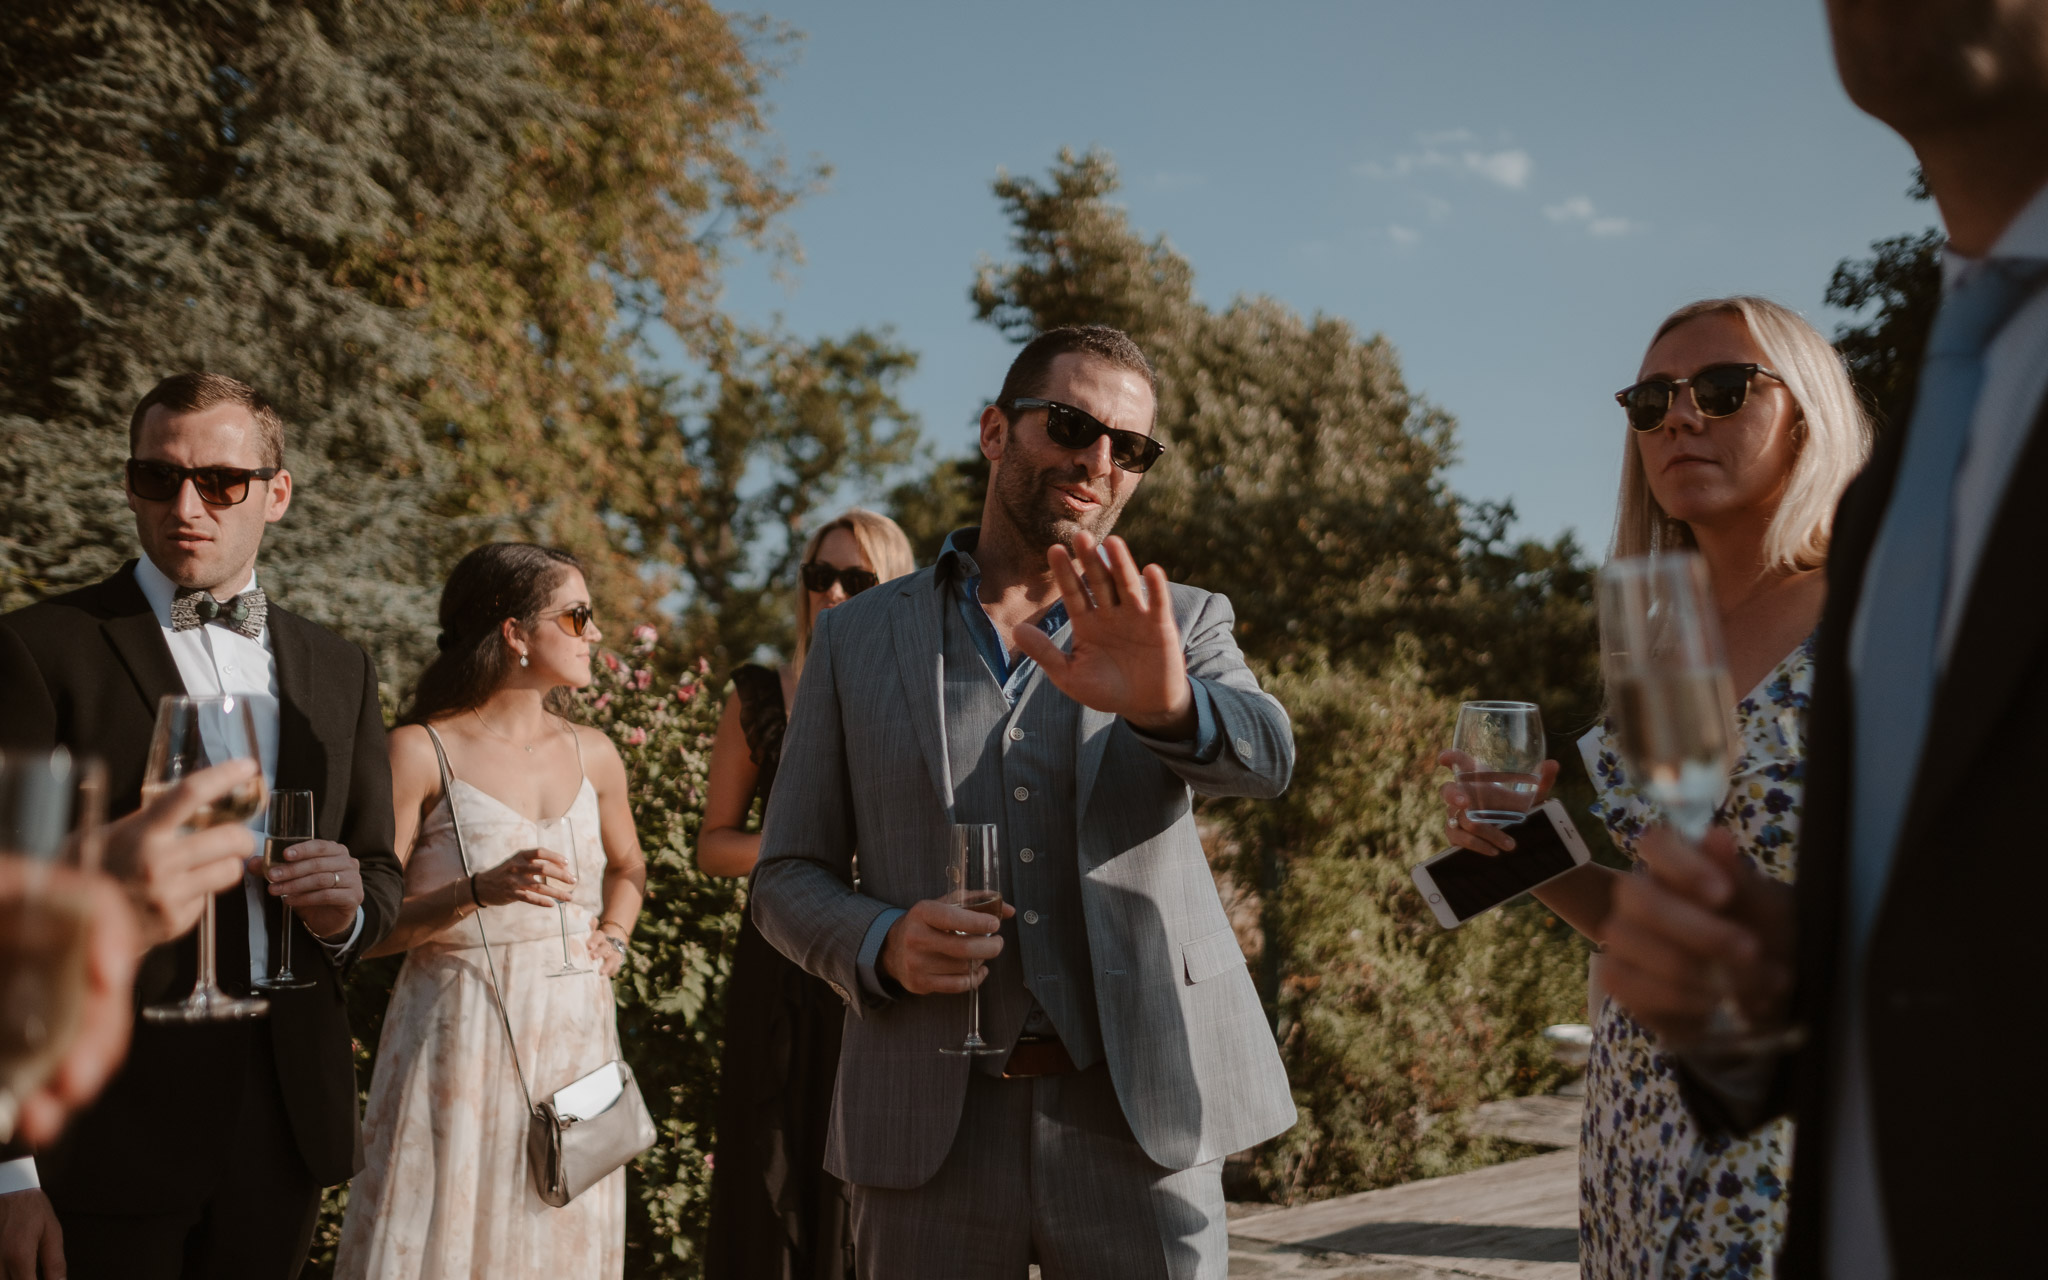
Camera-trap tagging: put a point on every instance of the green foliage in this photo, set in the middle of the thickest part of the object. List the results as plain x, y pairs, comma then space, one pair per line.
671, 994
1902, 281
1305, 483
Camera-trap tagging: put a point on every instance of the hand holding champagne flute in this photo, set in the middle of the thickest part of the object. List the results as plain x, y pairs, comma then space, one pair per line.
975, 870
190, 734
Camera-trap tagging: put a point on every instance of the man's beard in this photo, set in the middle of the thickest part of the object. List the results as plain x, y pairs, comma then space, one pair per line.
1039, 514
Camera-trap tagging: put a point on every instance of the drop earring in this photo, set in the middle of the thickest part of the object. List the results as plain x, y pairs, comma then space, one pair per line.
522, 659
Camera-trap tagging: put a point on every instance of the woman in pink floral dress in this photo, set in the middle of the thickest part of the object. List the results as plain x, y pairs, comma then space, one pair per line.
1743, 431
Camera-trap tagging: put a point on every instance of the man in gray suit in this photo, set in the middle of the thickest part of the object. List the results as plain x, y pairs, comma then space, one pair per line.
1036, 680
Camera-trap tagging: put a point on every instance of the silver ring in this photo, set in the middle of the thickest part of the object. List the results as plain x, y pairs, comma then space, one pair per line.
337, 878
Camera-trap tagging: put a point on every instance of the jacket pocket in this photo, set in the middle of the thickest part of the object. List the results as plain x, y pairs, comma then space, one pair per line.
1206, 957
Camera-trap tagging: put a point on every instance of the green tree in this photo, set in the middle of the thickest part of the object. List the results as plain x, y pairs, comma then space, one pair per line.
1902, 281
181, 186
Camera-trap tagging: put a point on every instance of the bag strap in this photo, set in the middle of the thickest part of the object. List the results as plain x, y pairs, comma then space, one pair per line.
490, 965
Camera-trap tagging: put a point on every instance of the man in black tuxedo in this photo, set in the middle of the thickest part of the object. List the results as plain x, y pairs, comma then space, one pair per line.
1909, 952
206, 1154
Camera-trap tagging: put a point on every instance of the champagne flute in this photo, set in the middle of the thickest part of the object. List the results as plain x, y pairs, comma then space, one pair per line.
559, 834
290, 822
51, 804
1502, 745
1674, 707
974, 869
192, 733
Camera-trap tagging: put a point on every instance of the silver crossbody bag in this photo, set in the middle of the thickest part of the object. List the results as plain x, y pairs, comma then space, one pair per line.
576, 1136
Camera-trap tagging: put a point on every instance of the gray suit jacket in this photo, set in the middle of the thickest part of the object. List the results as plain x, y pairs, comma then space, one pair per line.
864, 767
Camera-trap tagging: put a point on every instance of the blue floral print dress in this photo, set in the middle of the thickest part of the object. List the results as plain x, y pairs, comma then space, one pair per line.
1657, 1198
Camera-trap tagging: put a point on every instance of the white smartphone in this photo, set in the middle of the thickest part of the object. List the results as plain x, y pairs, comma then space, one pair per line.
1461, 884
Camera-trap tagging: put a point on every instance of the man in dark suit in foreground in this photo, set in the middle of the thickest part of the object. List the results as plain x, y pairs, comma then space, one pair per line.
1908, 953
206, 1154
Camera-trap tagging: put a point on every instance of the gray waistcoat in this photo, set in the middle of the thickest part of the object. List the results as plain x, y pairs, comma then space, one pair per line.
1016, 770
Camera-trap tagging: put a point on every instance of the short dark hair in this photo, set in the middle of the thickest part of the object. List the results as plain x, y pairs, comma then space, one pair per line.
192, 392
1033, 364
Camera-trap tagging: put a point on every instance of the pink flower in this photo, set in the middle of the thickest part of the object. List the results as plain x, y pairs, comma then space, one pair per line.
611, 661
703, 666
645, 636
642, 678
686, 692
603, 700
636, 736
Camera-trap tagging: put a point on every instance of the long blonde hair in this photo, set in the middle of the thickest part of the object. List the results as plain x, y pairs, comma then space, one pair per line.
882, 545
1834, 440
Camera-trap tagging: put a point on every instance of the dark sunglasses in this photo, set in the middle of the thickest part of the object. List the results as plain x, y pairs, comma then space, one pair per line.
819, 577
218, 486
1718, 390
1070, 428
574, 619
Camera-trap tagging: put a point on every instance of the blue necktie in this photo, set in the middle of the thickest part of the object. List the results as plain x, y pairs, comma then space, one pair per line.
1906, 581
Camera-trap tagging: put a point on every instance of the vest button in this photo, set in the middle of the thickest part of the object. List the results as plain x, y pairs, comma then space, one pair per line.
1025, 855
1016, 734
1244, 746
1030, 917
1022, 793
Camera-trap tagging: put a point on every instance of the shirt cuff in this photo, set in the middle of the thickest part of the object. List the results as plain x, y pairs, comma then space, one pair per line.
336, 950
19, 1175
1207, 743
872, 980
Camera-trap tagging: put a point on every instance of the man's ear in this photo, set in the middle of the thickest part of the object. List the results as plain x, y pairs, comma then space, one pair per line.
277, 496
995, 433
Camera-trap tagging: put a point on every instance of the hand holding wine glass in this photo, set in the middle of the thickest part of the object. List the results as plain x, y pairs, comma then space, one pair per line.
169, 868
539, 877
1467, 831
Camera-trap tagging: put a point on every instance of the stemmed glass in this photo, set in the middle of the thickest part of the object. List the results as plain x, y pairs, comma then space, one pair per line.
1674, 704
50, 809
192, 733
974, 873
1500, 748
290, 822
559, 834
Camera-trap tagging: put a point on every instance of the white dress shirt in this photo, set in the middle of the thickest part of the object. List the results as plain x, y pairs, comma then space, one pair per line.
2015, 380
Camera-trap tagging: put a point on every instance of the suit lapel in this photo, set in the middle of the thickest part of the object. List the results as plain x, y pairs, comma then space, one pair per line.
2004, 626
916, 631
138, 640
301, 757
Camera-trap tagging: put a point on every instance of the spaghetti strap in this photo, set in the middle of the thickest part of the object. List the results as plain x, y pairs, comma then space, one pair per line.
577, 739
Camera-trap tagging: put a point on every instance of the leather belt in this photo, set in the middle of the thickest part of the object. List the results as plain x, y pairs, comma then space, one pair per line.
1037, 1056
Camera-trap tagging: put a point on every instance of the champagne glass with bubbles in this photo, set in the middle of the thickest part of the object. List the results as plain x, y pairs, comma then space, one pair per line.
559, 835
191, 734
974, 874
50, 808
1500, 750
290, 822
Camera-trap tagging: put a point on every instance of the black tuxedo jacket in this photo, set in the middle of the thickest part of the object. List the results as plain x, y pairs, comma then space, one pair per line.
1951, 988
85, 670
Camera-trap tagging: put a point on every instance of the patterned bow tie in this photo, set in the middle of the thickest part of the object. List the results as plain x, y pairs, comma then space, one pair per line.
243, 615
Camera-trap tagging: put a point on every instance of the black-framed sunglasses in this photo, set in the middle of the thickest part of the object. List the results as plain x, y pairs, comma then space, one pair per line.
1072, 428
819, 577
574, 620
1718, 390
217, 486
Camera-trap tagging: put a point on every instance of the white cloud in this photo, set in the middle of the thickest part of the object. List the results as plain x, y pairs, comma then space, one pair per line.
1405, 237
1510, 169
1579, 211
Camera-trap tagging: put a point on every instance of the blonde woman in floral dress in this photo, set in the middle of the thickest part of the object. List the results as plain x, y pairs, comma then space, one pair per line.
1743, 432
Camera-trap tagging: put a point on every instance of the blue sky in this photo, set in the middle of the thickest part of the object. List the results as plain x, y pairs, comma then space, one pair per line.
1513, 191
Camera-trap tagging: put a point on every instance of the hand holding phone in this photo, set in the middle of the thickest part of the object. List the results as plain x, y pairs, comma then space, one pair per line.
1462, 883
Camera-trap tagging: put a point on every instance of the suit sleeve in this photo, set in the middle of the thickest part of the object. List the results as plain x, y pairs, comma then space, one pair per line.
1256, 755
28, 718
367, 827
802, 890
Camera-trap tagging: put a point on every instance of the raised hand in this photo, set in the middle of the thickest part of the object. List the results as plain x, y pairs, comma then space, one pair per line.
1126, 654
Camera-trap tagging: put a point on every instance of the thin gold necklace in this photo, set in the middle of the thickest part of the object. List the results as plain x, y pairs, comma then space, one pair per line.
499, 736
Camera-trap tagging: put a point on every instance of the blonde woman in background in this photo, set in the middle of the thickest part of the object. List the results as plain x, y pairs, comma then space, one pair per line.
775, 1212
1743, 430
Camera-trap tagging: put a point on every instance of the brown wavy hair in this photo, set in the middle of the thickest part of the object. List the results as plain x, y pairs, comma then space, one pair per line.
496, 581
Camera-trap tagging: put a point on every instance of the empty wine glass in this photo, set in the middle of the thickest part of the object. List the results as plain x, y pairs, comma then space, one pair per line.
50, 809
1500, 748
190, 734
974, 874
559, 835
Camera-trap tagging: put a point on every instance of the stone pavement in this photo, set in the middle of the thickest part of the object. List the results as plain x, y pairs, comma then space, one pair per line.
1514, 1221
